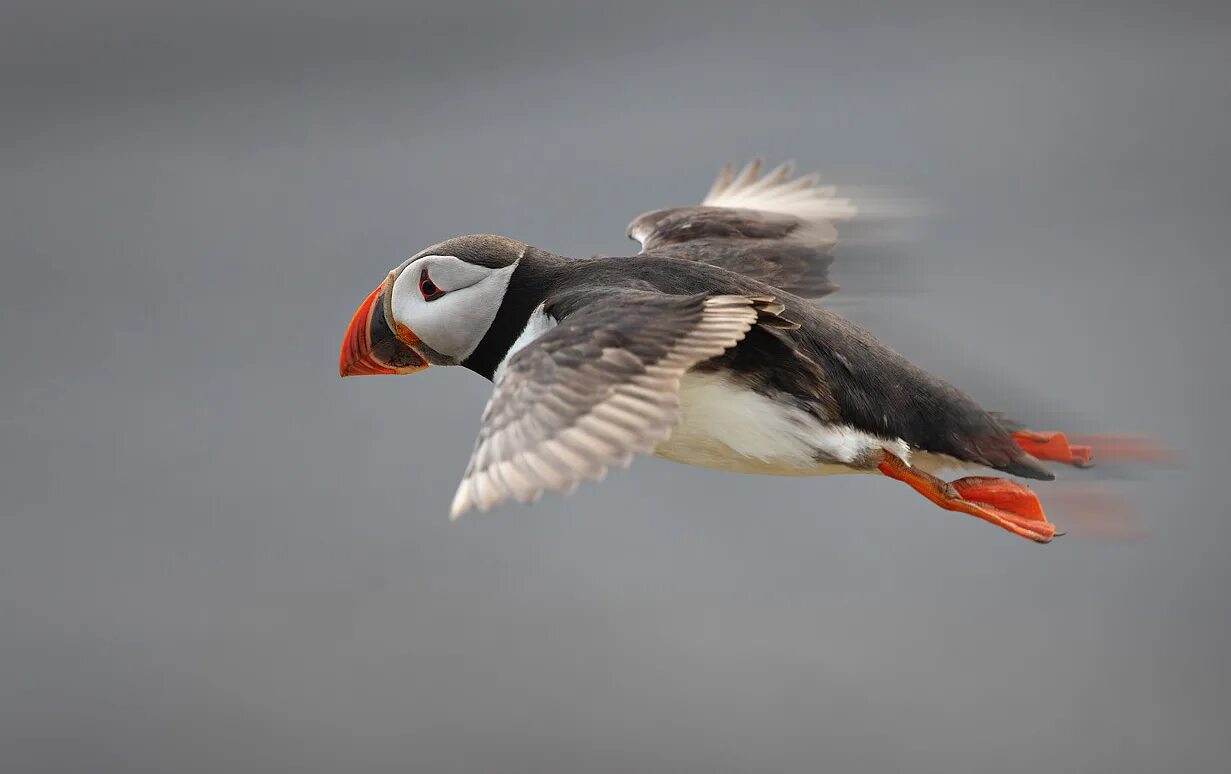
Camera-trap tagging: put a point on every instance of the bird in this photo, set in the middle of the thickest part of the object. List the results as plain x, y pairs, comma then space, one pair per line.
707, 347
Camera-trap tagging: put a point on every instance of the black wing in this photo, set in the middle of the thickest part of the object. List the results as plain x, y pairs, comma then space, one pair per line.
774, 228
595, 389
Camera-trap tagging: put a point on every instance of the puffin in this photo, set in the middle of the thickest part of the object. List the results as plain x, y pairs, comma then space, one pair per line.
706, 348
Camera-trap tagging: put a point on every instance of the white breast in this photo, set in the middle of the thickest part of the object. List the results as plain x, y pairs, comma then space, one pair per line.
537, 324
727, 426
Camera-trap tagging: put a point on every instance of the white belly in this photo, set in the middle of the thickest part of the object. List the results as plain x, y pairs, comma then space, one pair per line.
725, 426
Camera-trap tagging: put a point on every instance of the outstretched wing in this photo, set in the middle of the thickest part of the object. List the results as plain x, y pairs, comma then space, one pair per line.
775, 228
595, 389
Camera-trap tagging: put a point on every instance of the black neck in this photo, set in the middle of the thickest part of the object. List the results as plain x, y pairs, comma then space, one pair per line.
532, 280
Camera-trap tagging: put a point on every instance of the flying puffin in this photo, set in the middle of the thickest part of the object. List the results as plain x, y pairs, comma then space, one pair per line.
703, 348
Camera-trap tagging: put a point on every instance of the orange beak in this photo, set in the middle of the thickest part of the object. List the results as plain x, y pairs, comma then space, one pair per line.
371, 347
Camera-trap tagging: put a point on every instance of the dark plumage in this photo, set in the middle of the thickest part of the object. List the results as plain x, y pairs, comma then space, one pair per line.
702, 349
828, 365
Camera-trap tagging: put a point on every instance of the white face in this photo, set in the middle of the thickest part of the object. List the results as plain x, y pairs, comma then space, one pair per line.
449, 303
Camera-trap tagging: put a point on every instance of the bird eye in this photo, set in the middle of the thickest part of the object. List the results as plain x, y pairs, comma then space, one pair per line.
428, 288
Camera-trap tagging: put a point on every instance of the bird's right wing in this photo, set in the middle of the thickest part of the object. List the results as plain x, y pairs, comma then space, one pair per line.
774, 228
597, 388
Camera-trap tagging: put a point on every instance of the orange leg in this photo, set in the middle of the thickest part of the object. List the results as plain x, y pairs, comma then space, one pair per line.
1054, 447
1004, 503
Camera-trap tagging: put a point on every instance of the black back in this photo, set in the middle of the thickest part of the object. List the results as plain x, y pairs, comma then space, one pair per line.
828, 366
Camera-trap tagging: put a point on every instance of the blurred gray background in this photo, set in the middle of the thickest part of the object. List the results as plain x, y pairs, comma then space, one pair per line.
217, 556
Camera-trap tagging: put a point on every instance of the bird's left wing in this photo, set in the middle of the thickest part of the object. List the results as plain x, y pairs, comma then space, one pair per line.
597, 388
774, 228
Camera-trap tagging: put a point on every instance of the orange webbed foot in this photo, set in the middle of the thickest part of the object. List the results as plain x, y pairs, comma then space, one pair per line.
1054, 447
1010, 502
1005, 503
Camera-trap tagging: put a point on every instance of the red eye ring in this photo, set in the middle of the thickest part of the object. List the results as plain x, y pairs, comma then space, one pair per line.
429, 289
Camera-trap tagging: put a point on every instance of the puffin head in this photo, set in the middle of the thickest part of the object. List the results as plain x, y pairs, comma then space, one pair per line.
433, 309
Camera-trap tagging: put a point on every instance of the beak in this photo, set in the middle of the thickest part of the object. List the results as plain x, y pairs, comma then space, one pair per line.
371, 347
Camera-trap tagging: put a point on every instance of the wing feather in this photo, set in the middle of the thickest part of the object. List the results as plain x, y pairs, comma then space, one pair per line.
599, 387
773, 227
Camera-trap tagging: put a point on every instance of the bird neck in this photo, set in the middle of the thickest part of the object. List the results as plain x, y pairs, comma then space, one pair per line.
536, 275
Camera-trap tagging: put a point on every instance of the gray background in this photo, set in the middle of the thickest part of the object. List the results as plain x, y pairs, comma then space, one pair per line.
217, 556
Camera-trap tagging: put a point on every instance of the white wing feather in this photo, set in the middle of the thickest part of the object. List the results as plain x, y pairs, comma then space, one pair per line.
777, 192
